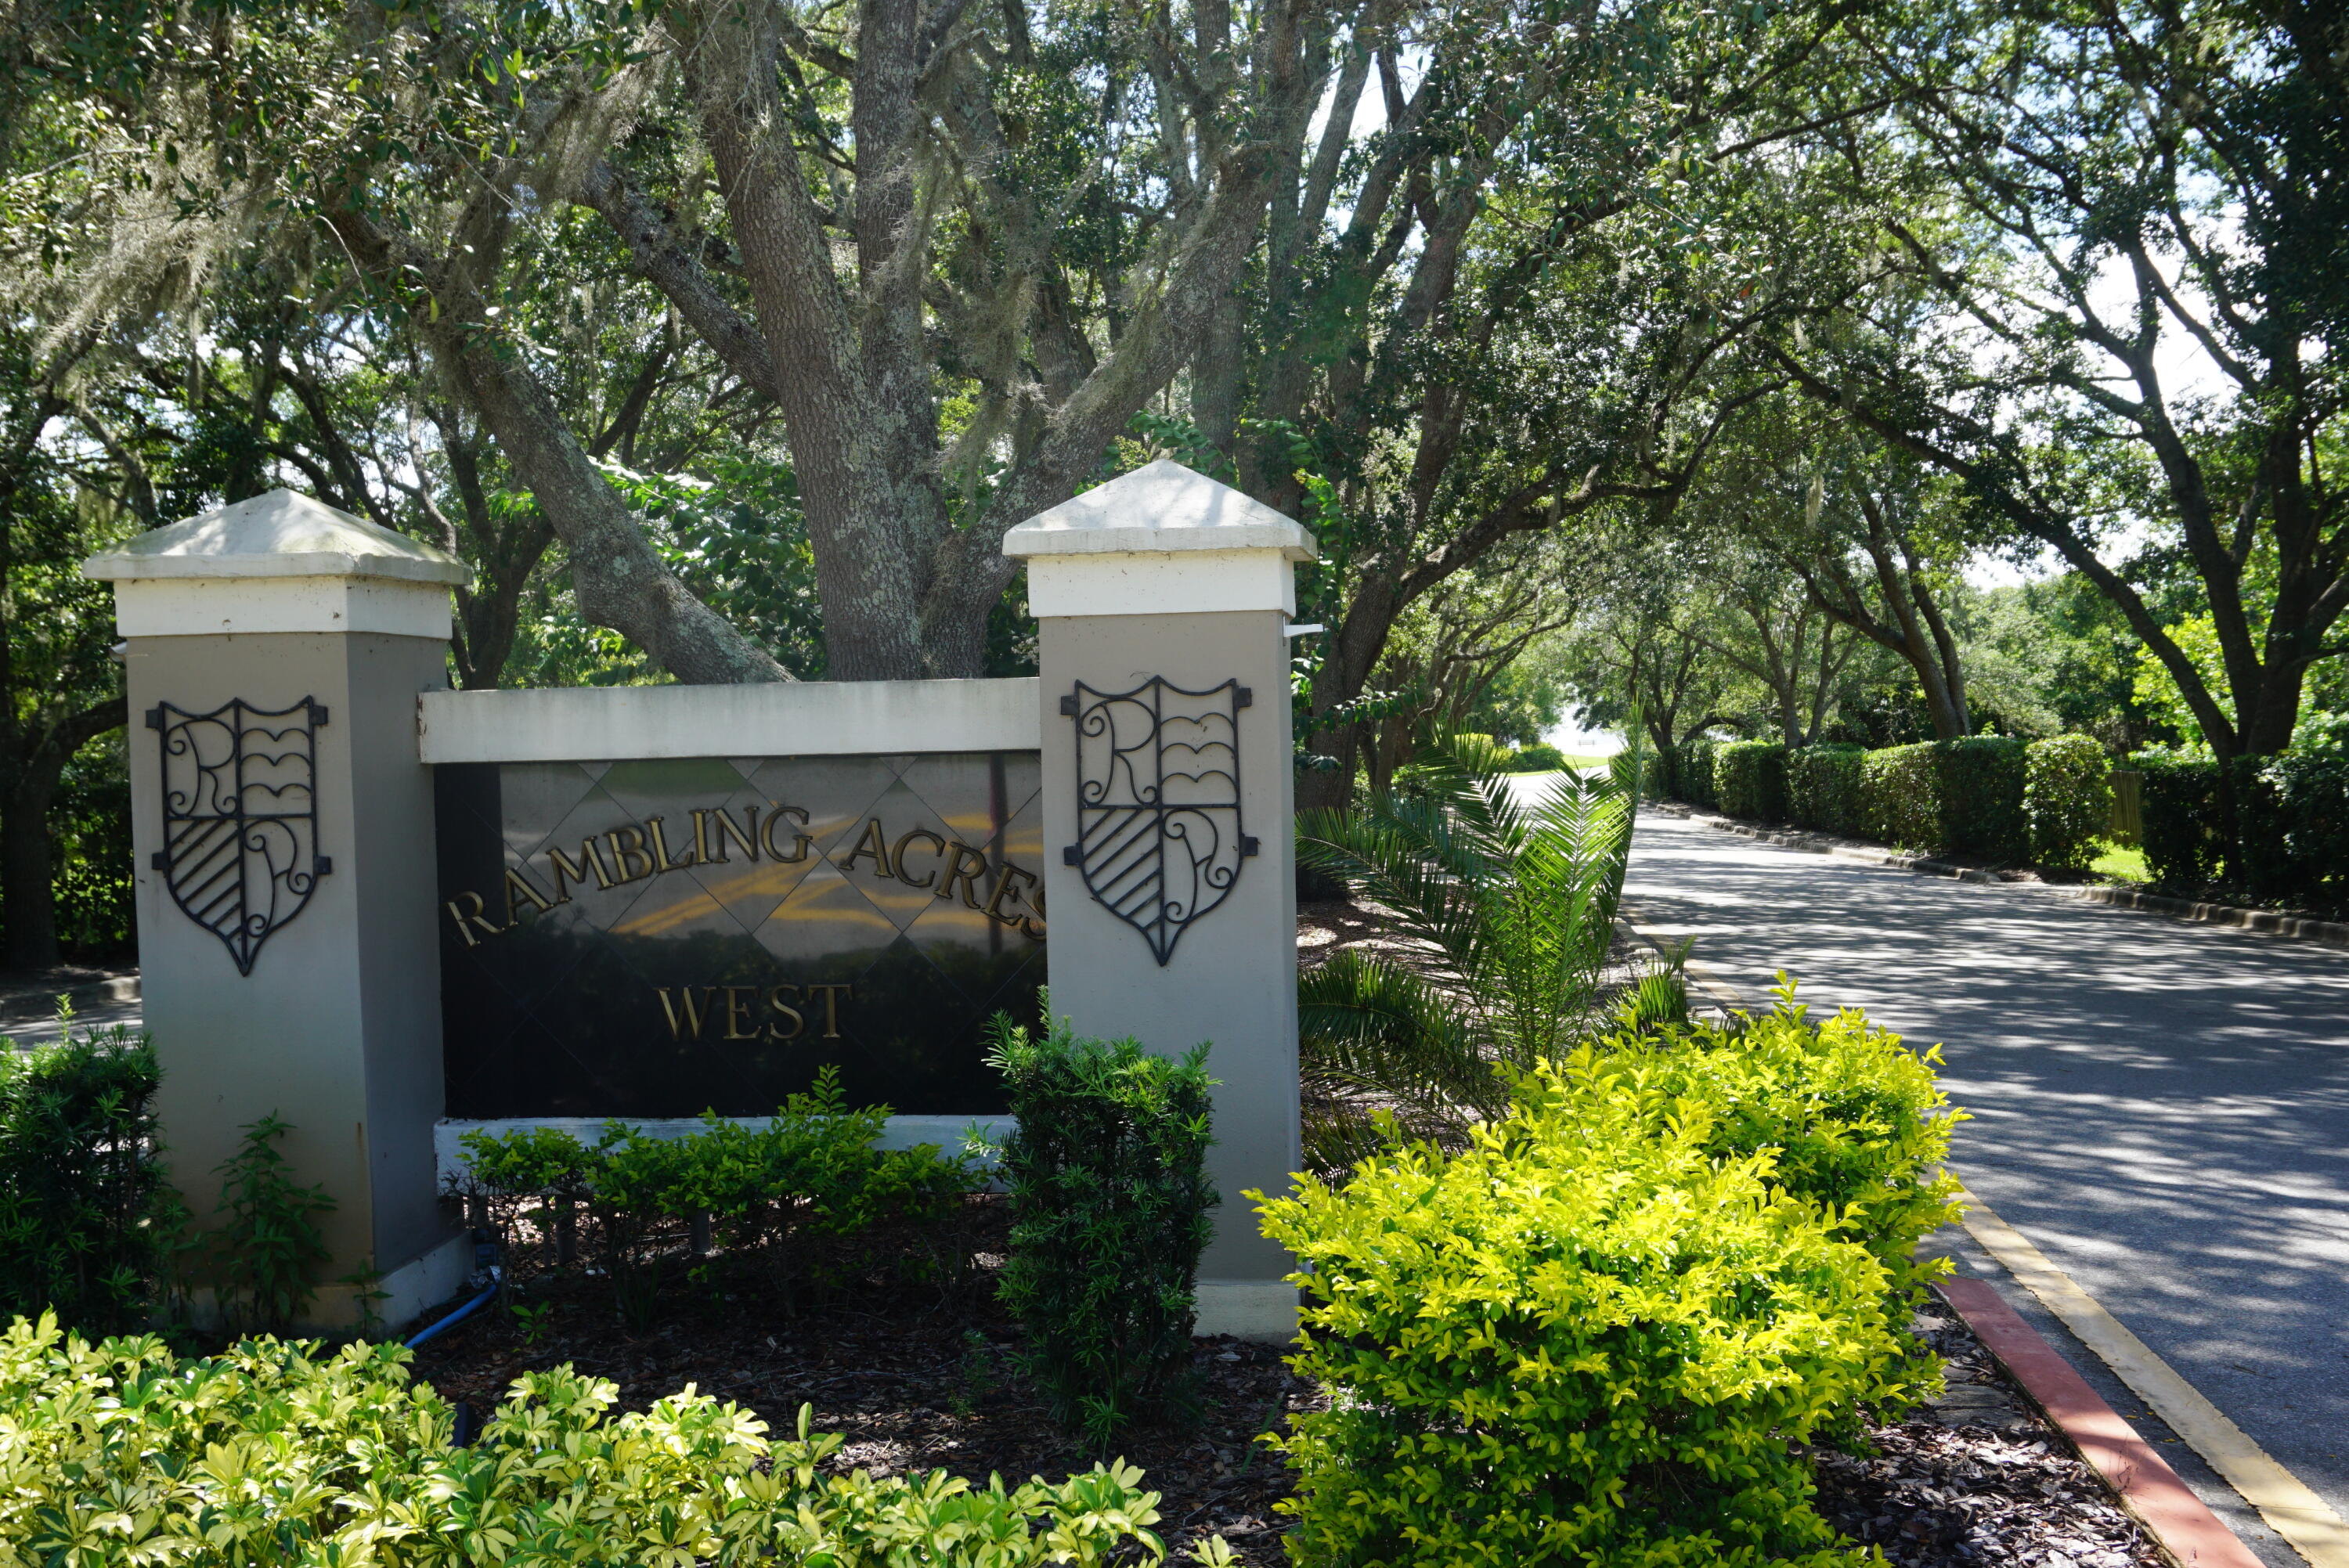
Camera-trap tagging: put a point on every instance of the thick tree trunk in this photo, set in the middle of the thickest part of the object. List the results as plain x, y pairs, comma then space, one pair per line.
620, 580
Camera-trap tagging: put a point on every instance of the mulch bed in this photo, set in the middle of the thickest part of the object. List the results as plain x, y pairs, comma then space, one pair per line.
1978, 1478
920, 1378
913, 1377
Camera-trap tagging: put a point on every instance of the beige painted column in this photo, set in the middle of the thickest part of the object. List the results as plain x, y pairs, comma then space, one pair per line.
1163, 600
289, 966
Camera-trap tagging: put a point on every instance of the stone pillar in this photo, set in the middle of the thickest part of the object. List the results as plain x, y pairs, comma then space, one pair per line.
1163, 600
288, 958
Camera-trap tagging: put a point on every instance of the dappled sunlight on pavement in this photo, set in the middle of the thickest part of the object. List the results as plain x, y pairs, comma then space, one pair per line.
2163, 1108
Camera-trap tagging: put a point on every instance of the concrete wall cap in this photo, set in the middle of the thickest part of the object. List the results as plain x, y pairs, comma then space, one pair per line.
1161, 507
280, 534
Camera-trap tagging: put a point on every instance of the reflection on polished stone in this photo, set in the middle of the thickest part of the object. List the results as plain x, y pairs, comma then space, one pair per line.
656, 938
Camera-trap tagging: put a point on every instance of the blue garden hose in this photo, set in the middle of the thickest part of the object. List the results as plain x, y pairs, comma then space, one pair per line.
489, 1293
486, 1274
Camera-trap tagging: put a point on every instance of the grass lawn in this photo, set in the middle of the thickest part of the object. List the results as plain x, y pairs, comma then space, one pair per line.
2122, 861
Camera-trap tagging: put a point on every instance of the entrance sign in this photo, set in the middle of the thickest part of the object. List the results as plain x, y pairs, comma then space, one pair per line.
652, 938
552, 907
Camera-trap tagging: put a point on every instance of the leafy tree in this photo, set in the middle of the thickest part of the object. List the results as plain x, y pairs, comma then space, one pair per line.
2096, 191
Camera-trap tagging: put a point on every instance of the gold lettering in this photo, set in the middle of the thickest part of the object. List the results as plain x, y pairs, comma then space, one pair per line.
775, 1000
688, 1013
832, 1006
738, 1012
712, 851
801, 842
627, 847
874, 843
568, 871
964, 863
518, 886
1009, 882
466, 919
897, 857
661, 861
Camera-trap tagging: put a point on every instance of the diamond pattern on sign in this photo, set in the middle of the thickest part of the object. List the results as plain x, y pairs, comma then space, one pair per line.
530, 794
899, 823
825, 914
975, 792
832, 790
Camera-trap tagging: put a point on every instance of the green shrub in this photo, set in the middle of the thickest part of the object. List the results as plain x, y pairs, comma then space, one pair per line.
287, 1454
1589, 1339
1108, 1178
1541, 757
2180, 799
1981, 798
265, 1258
807, 1194
1823, 788
1957, 797
1859, 1123
2293, 829
2068, 798
85, 1214
1750, 780
1901, 796
1693, 775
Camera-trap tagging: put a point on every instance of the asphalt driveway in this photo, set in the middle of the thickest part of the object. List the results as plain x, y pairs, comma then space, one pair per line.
2162, 1108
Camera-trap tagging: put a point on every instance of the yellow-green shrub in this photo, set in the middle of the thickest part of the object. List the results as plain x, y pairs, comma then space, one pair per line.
1859, 1123
1588, 1339
287, 1454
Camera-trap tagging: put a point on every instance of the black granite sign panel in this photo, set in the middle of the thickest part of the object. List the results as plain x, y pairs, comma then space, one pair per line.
646, 939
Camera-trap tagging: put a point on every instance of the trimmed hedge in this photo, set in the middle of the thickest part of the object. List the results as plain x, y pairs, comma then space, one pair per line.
1595, 1335
86, 1212
808, 1196
2184, 841
2294, 830
1960, 796
1901, 796
288, 1453
1823, 788
1692, 773
1750, 780
1981, 788
2068, 798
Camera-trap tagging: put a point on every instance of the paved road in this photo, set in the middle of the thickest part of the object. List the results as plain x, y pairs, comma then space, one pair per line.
2162, 1108
26, 1033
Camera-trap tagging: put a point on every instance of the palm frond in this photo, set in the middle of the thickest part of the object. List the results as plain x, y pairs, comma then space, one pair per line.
1370, 1027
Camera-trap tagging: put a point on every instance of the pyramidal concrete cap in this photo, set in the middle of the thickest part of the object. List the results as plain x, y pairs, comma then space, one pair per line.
1162, 506
280, 534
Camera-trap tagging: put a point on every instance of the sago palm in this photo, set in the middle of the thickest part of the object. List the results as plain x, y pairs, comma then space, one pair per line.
1508, 910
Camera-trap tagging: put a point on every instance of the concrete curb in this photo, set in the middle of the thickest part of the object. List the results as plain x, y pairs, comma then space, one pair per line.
2266, 921
2189, 1534
2329, 932
39, 1008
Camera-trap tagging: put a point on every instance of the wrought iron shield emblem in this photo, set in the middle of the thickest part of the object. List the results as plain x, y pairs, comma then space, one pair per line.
1158, 803
239, 818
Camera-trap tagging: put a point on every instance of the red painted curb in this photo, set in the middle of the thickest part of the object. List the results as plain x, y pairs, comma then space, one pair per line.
2190, 1533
